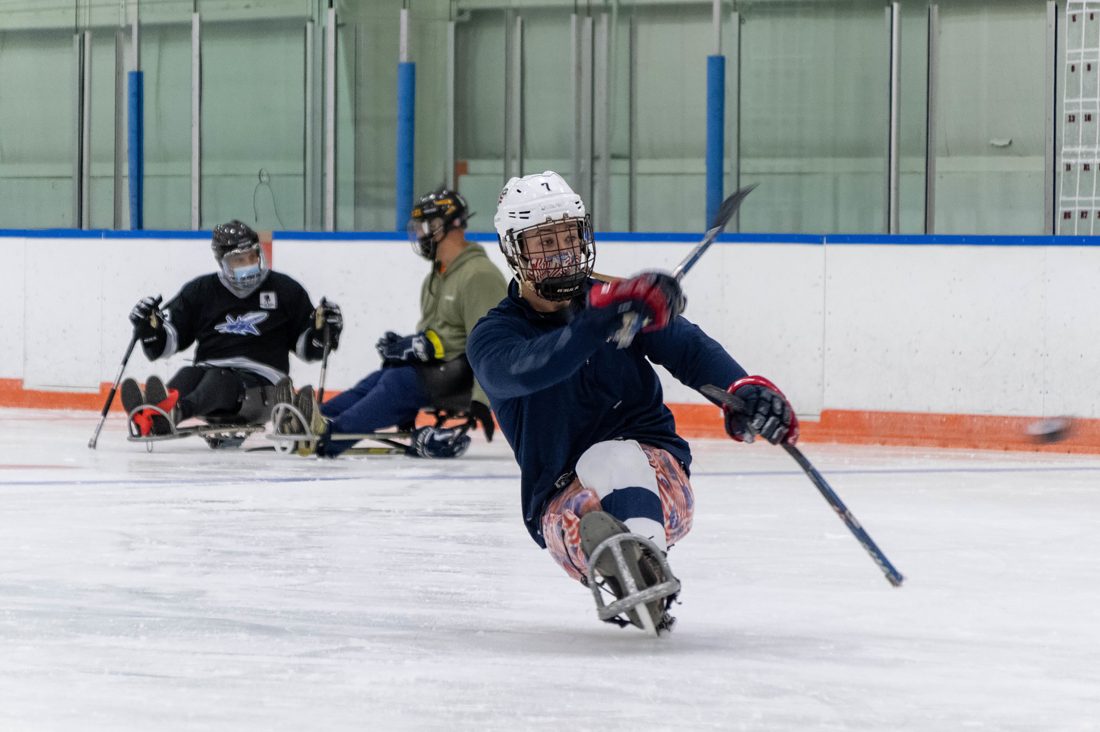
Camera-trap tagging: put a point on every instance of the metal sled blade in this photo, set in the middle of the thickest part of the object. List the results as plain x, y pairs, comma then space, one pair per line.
206, 431
284, 442
634, 598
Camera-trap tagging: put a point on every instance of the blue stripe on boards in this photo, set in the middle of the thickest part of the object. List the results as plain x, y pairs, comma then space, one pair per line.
101, 234
940, 240
351, 236
625, 237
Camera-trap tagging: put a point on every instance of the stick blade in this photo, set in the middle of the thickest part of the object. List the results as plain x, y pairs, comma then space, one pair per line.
729, 207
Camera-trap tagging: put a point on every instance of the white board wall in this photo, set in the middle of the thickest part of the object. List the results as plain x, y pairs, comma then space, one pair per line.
983, 329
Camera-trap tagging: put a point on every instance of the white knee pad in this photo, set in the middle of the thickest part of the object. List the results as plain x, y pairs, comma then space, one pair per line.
615, 464
608, 466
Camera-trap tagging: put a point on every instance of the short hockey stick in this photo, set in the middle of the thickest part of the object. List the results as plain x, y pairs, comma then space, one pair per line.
723, 398
324, 355
631, 322
111, 395
114, 387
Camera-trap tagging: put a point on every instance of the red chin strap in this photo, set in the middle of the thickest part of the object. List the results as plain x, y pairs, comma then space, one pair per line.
793, 430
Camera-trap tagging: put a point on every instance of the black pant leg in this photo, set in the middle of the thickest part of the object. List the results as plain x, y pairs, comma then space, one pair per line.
218, 391
186, 379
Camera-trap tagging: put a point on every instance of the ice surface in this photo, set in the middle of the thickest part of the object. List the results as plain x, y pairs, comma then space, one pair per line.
196, 589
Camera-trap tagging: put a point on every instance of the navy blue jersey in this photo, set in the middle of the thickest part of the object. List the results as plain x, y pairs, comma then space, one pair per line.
558, 387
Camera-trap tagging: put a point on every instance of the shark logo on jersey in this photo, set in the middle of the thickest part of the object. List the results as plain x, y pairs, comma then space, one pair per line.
243, 325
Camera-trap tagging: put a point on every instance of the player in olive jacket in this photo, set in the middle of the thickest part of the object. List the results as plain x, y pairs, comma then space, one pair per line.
428, 368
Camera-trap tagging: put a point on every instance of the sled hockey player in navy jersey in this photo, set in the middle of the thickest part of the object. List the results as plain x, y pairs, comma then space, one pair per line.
245, 319
604, 475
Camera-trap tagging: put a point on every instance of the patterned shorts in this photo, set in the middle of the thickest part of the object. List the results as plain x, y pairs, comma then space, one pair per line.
562, 518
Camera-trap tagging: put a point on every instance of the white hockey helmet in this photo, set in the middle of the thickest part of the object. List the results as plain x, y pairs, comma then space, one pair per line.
540, 204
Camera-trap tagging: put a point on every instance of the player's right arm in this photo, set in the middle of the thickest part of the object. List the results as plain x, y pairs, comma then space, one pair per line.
148, 321
509, 362
164, 332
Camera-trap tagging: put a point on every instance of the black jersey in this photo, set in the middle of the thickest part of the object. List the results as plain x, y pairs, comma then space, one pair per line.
254, 333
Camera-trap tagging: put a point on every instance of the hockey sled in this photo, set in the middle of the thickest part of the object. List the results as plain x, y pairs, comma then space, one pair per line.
217, 436
636, 601
393, 442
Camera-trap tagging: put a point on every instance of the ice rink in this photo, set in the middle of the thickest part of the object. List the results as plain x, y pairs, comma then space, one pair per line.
193, 589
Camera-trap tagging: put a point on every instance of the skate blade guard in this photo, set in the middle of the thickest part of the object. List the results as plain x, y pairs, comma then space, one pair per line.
635, 600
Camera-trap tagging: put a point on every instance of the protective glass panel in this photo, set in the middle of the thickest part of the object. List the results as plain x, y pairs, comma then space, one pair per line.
814, 116
990, 118
38, 70
166, 68
253, 122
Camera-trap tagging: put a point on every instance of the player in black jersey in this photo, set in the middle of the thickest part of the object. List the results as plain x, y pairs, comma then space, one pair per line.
245, 320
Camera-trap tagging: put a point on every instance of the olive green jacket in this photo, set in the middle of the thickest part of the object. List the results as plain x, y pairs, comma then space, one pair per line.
451, 302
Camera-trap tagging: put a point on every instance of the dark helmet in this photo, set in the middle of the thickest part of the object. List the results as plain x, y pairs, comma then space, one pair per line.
233, 237
433, 217
232, 244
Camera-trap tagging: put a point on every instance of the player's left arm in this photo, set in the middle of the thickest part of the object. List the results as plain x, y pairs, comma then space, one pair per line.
691, 355
309, 323
696, 359
299, 313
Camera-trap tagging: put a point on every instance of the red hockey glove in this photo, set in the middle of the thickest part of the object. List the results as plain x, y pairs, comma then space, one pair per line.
656, 297
767, 413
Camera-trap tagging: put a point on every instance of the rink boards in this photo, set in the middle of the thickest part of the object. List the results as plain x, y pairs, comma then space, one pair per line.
896, 331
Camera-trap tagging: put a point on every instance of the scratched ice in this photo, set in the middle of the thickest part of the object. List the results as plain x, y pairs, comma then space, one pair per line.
189, 588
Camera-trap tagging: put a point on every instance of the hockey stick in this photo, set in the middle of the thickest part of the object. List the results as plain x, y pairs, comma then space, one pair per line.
721, 220
111, 395
631, 322
893, 576
114, 387
324, 355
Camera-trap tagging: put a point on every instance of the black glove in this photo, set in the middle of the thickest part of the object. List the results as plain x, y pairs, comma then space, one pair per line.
398, 350
767, 413
148, 321
654, 297
481, 414
439, 442
327, 315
